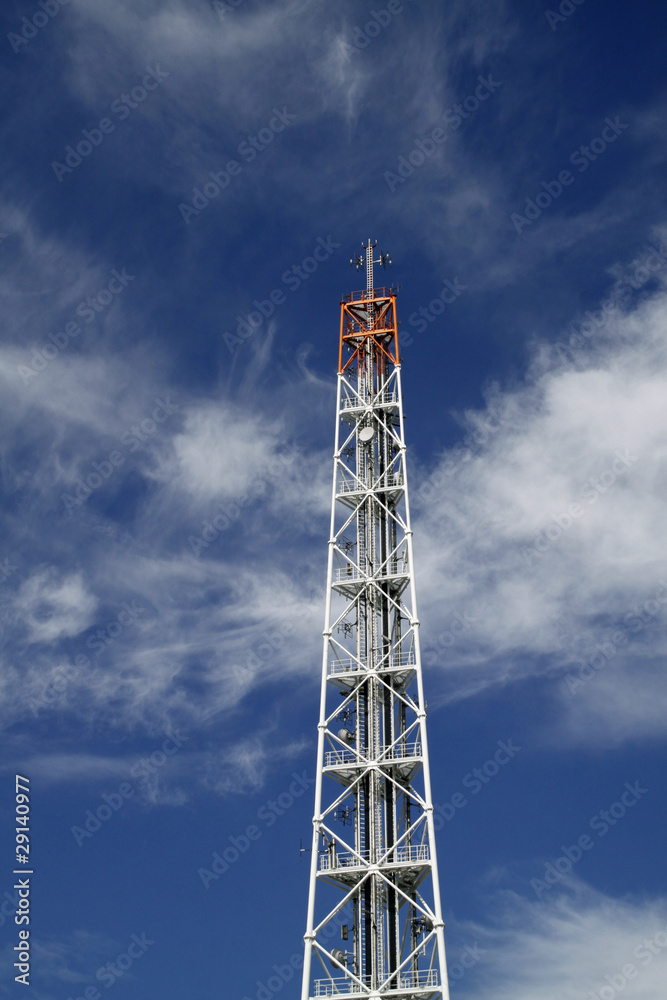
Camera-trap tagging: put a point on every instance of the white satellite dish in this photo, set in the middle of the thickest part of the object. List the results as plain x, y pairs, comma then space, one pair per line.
366, 434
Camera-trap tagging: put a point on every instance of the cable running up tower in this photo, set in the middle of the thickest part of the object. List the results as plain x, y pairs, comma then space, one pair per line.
374, 877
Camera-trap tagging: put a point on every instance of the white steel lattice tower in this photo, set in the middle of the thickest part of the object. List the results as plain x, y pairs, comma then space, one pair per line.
374, 925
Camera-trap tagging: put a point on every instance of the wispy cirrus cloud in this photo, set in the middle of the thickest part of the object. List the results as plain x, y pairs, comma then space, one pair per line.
574, 945
548, 532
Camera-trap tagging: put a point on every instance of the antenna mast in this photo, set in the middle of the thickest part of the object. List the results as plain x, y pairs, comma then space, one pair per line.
374, 876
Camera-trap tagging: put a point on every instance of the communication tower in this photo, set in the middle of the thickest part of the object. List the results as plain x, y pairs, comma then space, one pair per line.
374, 926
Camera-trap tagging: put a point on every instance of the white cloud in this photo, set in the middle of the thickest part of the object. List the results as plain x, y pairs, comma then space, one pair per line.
202, 618
548, 528
564, 948
617, 700
64, 767
243, 768
220, 451
158, 778
206, 633
65, 962
54, 606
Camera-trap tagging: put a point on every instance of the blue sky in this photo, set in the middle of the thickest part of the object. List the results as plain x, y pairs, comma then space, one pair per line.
170, 169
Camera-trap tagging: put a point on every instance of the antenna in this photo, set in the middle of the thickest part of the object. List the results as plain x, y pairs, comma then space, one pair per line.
302, 849
357, 261
369, 265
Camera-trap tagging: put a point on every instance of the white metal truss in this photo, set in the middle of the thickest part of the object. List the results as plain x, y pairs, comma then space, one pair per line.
373, 863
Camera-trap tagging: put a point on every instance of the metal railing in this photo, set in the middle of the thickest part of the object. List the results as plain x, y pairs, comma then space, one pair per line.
334, 862
376, 399
348, 663
410, 853
399, 752
345, 986
404, 854
341, 985
348, 572
381, 292
385, 482
352, 572
338, 758
413, 980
